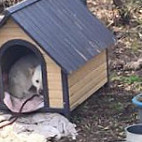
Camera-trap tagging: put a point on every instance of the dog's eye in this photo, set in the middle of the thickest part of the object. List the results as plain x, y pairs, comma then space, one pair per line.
37, 81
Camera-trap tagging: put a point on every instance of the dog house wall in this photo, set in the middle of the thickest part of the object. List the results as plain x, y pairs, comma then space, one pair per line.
88, 79
11, 31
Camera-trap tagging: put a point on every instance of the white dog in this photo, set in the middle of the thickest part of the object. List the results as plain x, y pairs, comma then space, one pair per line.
37, 79
26, 72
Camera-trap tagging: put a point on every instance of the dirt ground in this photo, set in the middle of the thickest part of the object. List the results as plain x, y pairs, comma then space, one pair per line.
104, 116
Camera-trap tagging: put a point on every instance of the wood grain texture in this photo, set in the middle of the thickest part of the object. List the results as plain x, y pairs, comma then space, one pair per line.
83, 90
12, 31
56, 103
87, 80
91, 65
88, 94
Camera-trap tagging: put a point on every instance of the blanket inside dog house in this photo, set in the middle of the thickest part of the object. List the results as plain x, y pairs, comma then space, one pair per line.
69, 41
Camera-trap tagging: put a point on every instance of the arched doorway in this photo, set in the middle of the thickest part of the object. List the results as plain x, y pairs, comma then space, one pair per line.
12, 51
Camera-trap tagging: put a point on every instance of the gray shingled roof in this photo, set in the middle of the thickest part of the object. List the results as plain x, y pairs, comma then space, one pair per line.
65, 29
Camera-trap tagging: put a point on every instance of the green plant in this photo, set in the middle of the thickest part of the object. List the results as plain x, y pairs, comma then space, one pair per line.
126, 79
131, 79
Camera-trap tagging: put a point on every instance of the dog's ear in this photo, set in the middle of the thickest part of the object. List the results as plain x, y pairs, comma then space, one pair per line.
31, 70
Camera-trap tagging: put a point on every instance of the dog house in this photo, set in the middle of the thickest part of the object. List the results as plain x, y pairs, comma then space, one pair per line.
68, 40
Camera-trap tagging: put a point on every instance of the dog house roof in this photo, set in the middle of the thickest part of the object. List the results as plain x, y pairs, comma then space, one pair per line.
65, 29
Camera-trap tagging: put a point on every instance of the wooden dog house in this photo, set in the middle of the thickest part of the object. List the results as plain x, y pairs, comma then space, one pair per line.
70, 42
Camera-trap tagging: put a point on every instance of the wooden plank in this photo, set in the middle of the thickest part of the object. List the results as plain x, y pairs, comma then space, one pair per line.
55, 94
89, 77
49, 60
54, 85
91, 65
56, 103
55, 77
11, 36
18, 34
85, 89
10, 24
53, 69
6, 38
10, 31
90, 92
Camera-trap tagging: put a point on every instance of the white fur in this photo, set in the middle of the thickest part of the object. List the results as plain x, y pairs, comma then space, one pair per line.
20, 76
37, 78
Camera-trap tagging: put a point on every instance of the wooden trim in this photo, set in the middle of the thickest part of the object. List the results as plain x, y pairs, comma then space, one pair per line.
65, 94
1, 85
107, 61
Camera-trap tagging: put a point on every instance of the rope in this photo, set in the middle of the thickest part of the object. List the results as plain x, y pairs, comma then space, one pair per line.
17, 116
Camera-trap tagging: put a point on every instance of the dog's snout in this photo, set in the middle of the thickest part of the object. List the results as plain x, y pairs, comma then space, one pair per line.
40, 91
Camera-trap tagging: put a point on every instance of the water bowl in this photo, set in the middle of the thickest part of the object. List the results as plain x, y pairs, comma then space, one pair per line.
134, 133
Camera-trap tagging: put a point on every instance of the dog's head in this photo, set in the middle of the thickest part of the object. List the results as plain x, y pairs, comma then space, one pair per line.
37, 79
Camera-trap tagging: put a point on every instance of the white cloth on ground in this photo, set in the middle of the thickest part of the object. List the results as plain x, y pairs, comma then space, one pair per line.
43, 125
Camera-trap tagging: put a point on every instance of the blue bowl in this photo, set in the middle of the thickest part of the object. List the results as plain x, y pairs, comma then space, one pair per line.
136, 100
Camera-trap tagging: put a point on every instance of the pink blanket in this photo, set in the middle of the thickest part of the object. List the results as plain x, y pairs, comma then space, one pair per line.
14, 104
